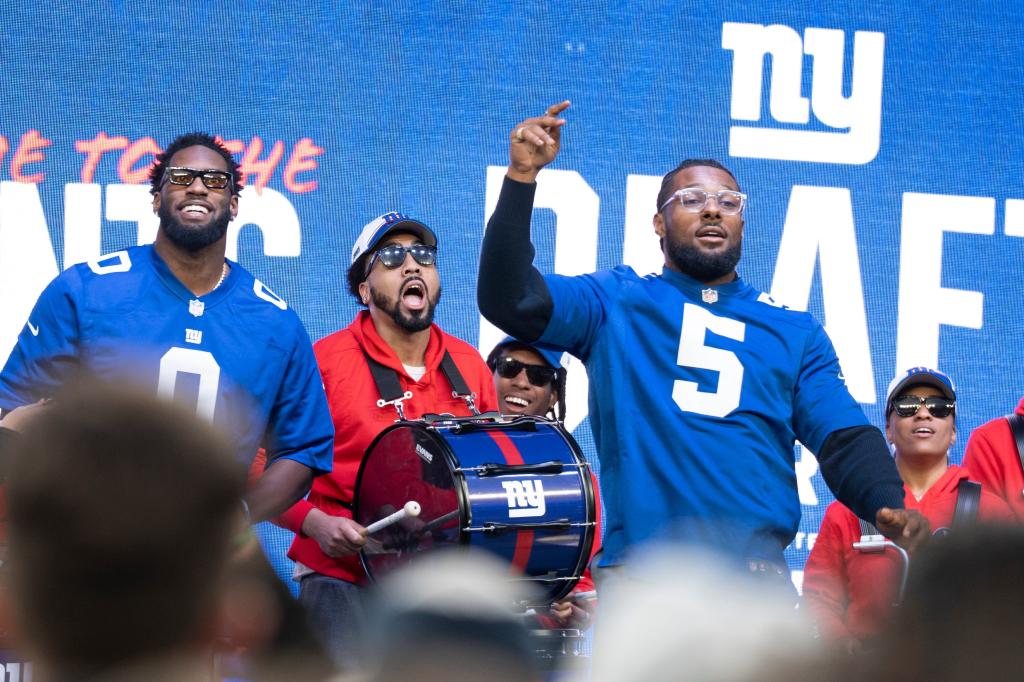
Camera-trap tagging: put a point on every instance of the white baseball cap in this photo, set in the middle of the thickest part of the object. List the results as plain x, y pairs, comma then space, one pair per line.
379, 227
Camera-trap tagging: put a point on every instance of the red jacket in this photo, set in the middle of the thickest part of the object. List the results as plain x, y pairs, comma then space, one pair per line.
352, 396
993, 461
849, 593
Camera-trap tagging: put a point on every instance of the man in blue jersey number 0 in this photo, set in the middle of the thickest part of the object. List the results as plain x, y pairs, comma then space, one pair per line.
699, 384
177, 318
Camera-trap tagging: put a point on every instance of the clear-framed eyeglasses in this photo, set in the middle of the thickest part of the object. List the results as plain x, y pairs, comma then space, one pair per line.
694, 199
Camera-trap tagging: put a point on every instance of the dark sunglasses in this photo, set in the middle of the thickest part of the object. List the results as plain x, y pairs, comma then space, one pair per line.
393, 255
213, 179
908, 405
538, 375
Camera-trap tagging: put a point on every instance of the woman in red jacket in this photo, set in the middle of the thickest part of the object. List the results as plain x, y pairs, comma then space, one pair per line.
850, 593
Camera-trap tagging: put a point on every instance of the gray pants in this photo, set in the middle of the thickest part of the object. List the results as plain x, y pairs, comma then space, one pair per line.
336, 616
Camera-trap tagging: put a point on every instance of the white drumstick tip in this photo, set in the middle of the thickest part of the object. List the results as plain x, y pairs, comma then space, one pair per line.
411, 508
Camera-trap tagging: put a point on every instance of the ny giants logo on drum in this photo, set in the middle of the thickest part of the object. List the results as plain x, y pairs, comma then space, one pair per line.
525, 498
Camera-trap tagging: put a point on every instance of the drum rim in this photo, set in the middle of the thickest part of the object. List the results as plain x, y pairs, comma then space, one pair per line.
460, 486
591, 506
587, 542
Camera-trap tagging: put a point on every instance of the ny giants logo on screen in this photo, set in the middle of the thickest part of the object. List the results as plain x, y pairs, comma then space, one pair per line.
525, 498
856, 119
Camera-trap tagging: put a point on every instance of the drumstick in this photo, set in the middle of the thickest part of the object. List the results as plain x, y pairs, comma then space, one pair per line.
411, 508
439, 521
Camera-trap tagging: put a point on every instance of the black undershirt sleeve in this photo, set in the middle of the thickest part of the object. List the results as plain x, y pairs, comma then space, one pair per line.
511, 293
860, 472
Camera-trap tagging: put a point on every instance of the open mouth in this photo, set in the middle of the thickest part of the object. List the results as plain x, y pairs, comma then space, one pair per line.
923, 431
712, 234
414, 295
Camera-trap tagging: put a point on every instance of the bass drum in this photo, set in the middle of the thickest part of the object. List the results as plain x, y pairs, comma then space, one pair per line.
520, 489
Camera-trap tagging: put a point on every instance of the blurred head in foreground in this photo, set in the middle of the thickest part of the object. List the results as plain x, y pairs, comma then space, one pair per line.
448, 617
688, 614
121, 511
961, 618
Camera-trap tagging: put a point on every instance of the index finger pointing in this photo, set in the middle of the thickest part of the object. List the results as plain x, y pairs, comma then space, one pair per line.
556, 109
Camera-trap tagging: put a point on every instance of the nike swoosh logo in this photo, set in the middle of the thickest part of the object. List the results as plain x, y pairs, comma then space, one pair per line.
32, 328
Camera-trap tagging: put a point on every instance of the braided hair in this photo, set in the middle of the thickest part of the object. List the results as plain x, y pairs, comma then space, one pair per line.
560, 374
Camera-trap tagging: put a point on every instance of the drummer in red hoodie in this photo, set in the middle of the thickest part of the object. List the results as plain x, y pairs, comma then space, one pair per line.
850, 592
393, 273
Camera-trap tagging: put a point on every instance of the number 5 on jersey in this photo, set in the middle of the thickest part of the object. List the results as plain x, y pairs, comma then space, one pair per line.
693, 352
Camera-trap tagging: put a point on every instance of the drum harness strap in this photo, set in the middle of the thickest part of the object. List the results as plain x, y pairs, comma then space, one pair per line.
965, 514
1017, 429
390, 388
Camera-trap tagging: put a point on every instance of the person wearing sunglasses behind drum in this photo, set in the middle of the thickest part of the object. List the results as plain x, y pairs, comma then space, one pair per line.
699, 383
530, 380
393, 273
850, 592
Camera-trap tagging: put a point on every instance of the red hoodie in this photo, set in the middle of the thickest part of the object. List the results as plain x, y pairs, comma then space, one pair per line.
352, 396
992, 459
850, 593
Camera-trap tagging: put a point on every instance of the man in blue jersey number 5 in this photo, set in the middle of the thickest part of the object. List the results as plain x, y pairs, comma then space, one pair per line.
178, 318
699, 384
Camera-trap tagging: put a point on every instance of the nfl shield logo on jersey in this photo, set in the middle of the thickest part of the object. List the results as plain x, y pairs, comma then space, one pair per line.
196, 307
709, 295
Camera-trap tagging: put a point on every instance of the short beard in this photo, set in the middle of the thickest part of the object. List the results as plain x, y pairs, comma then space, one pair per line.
190, 238
700, 265
409, 323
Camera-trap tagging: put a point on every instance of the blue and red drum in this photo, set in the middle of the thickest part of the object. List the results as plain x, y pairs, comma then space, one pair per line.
519, 488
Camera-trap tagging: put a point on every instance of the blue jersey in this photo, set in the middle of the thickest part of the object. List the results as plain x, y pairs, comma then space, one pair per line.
238, 354
697, 394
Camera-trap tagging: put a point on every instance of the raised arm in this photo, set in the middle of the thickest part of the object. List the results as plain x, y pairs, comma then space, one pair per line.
511, 293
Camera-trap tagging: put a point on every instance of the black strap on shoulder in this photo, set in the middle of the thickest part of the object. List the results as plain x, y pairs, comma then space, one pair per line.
965, 514
388, 385
868, 528
454, 377
459, 387
968, 501
1017, 429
